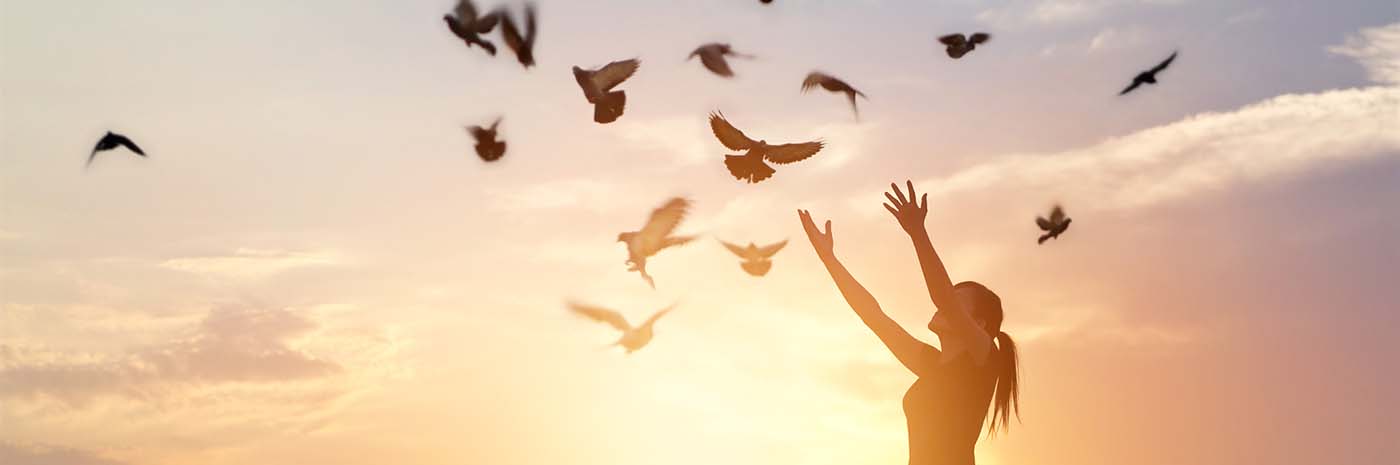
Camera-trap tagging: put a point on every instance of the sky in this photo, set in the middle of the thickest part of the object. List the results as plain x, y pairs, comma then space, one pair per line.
312, 266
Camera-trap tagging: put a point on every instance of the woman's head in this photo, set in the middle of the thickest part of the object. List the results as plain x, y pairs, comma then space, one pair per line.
981, 303
984, 307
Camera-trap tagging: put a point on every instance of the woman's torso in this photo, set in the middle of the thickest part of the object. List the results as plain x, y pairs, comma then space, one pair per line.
945, 411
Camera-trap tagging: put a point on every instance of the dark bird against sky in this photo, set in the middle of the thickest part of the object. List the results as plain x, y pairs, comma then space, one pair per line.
597, 87
655, 236
959, 45
111, 141
1149, 76
487, 146
830, 83
1053, 226
750, 166
523, 45
466, 25
633, 338
713, 57
757, 260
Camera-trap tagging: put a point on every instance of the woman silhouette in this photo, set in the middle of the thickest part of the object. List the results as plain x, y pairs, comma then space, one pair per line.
947, 405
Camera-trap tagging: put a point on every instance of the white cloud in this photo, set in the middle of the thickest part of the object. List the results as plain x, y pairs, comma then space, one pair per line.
1116, 39
1378, 50
1051, 12
564, 193
246, 262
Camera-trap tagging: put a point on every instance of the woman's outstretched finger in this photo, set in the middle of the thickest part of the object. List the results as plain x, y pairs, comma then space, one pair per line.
892, 200
911, 190
923, 203
892, 210
898, 193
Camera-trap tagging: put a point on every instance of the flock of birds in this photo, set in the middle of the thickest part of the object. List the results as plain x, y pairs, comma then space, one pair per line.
599, 86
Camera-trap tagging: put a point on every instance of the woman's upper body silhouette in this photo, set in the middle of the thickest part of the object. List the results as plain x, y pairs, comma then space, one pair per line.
947, 405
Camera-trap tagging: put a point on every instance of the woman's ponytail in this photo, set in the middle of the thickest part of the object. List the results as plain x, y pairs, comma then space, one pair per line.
1007, 397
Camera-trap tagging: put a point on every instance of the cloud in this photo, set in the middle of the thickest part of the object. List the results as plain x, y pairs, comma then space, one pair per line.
246, 262
14, 454
229, 346
1378, 50
564, 193
1277, 138
1050, 12
1116, 39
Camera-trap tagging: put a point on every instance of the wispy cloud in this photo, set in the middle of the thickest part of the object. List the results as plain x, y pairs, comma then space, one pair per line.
15, 454
1378, 50
246, 262
1114, 38
1050, 12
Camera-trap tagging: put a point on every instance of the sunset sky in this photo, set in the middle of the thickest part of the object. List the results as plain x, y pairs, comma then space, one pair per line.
313, 267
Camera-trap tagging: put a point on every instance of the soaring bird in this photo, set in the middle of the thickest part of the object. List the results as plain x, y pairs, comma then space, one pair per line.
832, 84
712, 56
750, 166
522, 45
655, 236
757, 260
1149, 76
111, 141
633, 338
1053, 227
466, 25
959, 45
487, 147
597, 85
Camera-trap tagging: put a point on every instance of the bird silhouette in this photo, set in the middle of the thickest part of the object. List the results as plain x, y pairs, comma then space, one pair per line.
655, 236
111, 141
1149, 76
959, 45
466, 25
765, 2
522, 45
832, 84
1054, 226
597, 85
633, 338
713, 55
757, 260
750, 166
487, 147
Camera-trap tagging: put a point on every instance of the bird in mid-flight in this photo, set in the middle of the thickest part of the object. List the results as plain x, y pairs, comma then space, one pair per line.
466, 25
633, 338
750, 166
832, 84
959, 45
597, 85
1053, 226
522, 45
757, 260
1149, 76
655, 236
111, 141
487, 147
713, 57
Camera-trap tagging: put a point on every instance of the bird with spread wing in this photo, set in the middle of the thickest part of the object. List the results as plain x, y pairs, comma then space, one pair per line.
487, 146
757, 260
1053, 226
713, 57
523, 45
111, 141
958, 44
597, 85
830, 83
633, 338
751, 165
1149, 76
655, 236
466, 25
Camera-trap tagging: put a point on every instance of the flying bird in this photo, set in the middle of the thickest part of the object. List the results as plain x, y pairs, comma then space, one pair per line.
757, 260
1149, 76
1053, 227
522, 45
959, 45
111, 141
466, 25
487, 146
750, 166
655, 236
597, 85
832, 84
713, 57
633, 338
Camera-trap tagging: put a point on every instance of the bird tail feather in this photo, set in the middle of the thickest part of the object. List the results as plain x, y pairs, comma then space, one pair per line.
609, 107
1043, 238
747, 168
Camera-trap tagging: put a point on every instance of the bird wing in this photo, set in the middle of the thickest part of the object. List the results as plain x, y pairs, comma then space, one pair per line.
496, 123
728, 135
715, 62
1130, 87
664, 221
815, 79
601, 314
657, 316
953, 40
676, 240
479, 133
486, 23
1043, 223
1057, 215
465, 11
789, 153
1164, 64
770, 250
614, 73
91, 156
740, 251
128, 144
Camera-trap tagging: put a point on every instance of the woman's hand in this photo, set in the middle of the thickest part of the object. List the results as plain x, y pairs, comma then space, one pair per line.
821, 241
909, 213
